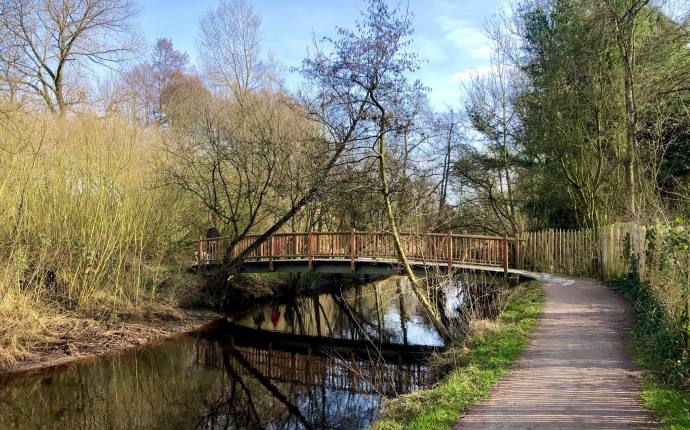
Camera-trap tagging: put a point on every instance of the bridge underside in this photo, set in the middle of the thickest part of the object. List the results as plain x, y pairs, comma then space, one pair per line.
361, 267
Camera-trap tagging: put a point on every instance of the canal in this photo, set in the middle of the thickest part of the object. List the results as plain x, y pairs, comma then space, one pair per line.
322, 362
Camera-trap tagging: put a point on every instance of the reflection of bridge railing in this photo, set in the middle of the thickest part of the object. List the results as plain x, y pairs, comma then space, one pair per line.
332, 372
446, 249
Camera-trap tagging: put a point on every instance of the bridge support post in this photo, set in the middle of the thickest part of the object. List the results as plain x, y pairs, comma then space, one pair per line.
505, 254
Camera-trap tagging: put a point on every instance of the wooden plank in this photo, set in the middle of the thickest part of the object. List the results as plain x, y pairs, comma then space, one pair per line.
516, 244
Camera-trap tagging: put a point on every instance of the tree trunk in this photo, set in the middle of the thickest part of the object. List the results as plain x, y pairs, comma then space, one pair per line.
414, 282
230, 265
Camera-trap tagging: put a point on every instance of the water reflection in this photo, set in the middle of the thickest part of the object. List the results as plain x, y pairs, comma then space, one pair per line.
382, 312
322, 362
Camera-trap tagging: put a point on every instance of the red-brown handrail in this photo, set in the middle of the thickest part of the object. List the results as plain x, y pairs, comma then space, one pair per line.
438, 248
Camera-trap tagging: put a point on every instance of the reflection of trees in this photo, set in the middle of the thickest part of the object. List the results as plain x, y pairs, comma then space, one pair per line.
178, 385
378, 312
144, 389
316, 391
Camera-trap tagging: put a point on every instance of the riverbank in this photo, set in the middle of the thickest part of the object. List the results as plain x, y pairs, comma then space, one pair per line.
98, 339
52, 336
479, 362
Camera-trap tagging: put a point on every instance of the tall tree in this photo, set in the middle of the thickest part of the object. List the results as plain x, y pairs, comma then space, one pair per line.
625, 15
230, 46
150, 83
373, 63
47, 43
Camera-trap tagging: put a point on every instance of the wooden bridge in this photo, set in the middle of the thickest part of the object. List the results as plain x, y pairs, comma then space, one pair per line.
364, 252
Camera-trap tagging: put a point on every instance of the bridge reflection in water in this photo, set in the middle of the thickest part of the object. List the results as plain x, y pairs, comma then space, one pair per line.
269, 388
371, 346
333, 372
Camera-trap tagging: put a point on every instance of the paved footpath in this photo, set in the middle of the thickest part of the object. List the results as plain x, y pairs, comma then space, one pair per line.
576, 372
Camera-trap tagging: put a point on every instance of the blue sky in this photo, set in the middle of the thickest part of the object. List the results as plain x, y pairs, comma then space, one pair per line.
448, 33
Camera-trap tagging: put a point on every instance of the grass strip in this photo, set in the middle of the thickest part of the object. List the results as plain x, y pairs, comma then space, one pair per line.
657, 350
485, 358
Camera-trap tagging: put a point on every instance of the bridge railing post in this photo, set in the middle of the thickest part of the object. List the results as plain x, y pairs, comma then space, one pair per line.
200, 252
353, 250
505, 254
450, 251
310, 252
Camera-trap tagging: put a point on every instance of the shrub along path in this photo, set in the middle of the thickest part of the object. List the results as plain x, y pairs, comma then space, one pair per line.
577, 372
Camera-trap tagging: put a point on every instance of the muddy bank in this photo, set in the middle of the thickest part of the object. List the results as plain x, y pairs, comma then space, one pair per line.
207, 302
113, 339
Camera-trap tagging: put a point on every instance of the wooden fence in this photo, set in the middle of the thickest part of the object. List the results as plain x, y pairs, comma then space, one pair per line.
599, 253
450, 249
585, 252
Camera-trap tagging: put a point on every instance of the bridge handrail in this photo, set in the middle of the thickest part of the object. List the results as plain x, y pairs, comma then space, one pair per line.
449, 249
325, 233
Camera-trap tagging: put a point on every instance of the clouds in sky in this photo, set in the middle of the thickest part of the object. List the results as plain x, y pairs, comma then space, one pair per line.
465, 76
459, 47
466, 37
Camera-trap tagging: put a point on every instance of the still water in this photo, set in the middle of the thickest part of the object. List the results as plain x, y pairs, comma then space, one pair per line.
323, 362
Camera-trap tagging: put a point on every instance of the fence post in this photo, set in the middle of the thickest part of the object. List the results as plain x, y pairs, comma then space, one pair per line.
270, 253
518, 263
505, 254
353, 250
310, 253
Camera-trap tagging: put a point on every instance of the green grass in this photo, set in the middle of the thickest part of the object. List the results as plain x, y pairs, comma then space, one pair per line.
669, 404
486, 359
655, 346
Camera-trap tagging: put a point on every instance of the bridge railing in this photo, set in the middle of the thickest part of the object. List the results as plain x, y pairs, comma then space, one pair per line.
434, 248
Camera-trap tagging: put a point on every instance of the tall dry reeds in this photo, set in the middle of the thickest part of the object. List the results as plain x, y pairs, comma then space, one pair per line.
83, 225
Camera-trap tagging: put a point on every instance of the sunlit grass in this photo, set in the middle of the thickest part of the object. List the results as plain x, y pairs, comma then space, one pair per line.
667, 403
485, 358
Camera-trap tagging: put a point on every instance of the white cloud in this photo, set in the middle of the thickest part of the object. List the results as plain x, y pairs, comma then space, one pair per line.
465, 75
465, 36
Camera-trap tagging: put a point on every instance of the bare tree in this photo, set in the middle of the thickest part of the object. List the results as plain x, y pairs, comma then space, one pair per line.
232, 172
448, 137
149, 84
46, 43
373, 63
230, 45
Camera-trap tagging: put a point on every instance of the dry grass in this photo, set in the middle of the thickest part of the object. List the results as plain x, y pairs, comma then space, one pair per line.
83, 227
